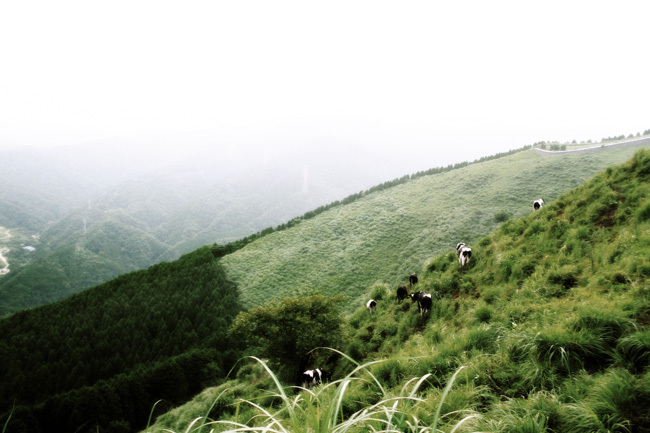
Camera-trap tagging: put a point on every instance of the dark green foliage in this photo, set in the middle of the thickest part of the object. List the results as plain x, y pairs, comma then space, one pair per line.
643, 214
442, 262
565, 278
483, 314
502, 216
378, 292
391, 372
156, 329
286, 331
483, 339
634, 351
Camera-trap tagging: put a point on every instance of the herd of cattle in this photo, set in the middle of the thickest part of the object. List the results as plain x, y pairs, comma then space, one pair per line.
424, 300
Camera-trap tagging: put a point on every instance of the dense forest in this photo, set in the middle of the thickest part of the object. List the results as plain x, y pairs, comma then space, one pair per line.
147, 335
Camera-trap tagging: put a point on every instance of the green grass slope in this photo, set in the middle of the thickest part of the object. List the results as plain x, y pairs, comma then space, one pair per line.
386, 235
546, 330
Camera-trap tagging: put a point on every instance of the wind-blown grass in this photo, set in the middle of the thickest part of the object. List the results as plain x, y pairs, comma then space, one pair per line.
321, 409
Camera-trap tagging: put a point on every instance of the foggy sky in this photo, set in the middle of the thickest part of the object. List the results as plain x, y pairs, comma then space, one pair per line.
456, 79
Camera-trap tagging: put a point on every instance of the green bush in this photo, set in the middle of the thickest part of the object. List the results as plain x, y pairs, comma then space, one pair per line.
502, 216
634, 351
483, 339
390, 372
379, 291
643, 213
483, 314
566, 277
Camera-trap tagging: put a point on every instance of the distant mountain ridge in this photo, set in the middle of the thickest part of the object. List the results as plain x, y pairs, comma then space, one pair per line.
93, 214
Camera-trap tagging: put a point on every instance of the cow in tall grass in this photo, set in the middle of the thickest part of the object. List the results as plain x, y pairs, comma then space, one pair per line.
402, 294
315, 377
537, 204
413, 280
464, 254
371, 305
424, 302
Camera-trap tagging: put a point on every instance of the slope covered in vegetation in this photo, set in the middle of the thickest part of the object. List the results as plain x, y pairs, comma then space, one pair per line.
386, 235
109, 353
95, 212
546, 330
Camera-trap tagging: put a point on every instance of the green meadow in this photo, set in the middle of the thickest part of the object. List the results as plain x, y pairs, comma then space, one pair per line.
386, 235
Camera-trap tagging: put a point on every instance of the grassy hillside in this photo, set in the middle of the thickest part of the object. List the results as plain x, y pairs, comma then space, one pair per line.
385, 236
546, 330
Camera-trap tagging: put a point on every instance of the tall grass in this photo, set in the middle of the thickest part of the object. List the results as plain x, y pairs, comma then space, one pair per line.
321, 409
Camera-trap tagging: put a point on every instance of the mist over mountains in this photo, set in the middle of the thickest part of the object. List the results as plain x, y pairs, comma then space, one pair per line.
94, 212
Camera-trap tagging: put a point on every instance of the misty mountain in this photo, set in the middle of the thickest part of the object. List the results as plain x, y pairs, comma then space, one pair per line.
94, 212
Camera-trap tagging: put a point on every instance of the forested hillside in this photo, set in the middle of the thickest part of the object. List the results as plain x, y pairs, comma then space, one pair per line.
386, 235
119, 347
545, 330
92, 213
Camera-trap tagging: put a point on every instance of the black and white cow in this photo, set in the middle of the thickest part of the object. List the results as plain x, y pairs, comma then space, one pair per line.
413, 280
311, 378
402, 294
371, 305
464, 253
315, 377
424, 301
424, 304
537, 204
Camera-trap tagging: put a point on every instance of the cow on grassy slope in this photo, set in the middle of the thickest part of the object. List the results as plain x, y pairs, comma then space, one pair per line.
315, 377
413, 280
424, 301
464, 254
402, 294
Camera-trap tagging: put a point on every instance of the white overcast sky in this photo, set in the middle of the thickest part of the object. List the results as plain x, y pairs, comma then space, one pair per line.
482, 76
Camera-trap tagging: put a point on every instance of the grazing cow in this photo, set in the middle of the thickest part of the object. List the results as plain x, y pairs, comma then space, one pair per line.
424, 304
464, 255
315, 377
370, 305
402, 294
413, 280
459, 246
537, 204
424, 301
